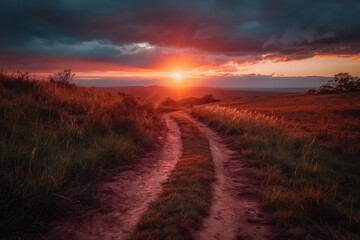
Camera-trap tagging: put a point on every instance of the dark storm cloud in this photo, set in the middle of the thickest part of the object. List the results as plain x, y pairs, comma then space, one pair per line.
280, 30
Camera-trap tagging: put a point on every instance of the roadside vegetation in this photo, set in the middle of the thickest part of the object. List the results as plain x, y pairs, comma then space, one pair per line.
55, 140
305, 151
186, 196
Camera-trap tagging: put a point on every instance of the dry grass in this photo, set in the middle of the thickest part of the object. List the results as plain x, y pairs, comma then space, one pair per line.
332, 119
186, 196
54, 143
309, 183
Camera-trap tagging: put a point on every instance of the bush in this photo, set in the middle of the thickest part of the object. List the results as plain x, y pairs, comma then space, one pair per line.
62, 79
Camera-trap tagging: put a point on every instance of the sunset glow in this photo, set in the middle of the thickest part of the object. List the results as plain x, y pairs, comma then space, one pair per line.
177, 77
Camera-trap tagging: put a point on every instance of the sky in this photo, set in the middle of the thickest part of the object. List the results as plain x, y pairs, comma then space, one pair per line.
194, 42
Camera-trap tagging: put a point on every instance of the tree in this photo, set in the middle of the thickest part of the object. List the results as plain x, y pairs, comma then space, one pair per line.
341, 82
357, 84
62, 79
209, 98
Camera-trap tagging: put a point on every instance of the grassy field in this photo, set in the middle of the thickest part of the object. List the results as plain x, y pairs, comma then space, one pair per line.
305, 150
54, 143
186, 196
157, 94
334, 119
55, 140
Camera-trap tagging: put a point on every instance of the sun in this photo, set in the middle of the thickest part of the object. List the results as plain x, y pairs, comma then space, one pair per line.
177, 77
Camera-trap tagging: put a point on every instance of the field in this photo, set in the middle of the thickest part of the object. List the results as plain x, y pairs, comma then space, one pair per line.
157, 94
304, 150
54, 143
293, 158
332, 119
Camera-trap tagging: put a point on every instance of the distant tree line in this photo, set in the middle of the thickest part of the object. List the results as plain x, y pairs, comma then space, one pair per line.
188, 102
340, 83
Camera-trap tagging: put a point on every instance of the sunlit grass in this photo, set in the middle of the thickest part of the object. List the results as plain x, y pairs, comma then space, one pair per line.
333, 120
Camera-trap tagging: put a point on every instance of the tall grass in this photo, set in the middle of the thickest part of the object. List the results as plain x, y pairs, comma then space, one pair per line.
333, 120
311, 190
54, 143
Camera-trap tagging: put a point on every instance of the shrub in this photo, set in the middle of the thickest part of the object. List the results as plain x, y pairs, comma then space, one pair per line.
62, 79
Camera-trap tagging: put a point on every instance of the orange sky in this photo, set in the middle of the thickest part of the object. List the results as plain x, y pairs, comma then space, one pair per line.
190, 71
190, 68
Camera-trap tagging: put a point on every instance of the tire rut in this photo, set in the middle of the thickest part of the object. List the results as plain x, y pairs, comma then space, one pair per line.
236, 209
127, 195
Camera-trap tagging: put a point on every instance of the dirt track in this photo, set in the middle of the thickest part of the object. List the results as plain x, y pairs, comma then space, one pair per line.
236, 211
127, 195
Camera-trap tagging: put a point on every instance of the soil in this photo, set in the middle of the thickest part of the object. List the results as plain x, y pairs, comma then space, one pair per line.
126, 196
236, 211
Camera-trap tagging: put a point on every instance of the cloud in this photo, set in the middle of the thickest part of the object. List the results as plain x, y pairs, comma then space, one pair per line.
144, 33
267, 81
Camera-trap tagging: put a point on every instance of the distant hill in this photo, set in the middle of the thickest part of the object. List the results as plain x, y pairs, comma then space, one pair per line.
160, 93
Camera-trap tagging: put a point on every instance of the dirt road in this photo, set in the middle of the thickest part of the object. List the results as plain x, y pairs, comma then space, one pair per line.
127, 195
236, 211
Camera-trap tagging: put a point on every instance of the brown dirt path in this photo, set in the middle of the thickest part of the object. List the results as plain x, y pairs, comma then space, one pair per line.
126, 196
236, 209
